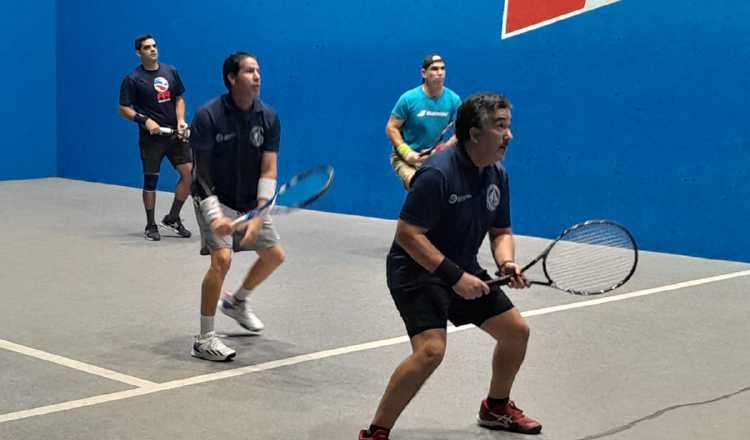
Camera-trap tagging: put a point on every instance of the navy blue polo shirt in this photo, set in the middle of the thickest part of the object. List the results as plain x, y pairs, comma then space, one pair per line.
153, 93
457, 203
235, 141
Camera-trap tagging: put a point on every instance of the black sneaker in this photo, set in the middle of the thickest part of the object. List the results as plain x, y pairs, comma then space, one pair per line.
175, 225
151, 233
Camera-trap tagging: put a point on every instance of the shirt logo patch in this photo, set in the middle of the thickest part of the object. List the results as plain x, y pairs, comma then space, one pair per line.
493, 197
221, 137
256, 136
455, 198
161, 85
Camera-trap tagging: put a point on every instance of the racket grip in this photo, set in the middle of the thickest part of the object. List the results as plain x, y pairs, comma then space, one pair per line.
502, 281
240, 219
166, 131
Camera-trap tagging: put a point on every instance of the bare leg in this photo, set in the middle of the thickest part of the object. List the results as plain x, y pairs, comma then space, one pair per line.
221, 260
182, 190
428, 349
268, 261
511, 332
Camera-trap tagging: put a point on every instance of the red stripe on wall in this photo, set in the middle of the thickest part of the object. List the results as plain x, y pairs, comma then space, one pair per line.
524, 13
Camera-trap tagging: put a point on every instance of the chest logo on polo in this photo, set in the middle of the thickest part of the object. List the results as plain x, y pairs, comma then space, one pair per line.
455, 198
493, 197
256, 136
161, 85
221, 137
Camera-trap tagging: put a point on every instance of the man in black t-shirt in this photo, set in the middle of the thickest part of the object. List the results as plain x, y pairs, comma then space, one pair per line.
458, 197
235, 139
151, 96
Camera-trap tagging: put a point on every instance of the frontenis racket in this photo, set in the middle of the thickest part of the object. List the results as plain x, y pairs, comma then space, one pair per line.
300, 191
589, 258
437, 145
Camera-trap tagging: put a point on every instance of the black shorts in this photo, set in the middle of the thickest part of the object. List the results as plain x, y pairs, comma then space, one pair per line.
429, 306
154, 148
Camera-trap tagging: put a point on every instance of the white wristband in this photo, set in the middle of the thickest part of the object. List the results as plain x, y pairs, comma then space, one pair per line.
211, 208
266, 188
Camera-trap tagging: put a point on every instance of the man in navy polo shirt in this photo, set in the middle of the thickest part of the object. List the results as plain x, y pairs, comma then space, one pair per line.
235, 140
151, 96
458, 196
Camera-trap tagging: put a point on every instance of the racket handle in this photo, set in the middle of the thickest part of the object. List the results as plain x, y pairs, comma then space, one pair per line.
240, 219
502, 281
166, 131
265, 209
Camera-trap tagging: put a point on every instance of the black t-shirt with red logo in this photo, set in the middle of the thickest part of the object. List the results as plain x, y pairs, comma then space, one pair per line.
153, 93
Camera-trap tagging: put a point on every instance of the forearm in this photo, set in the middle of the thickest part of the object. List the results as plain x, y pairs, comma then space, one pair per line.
268, 175
202, 172
394, 135
179, 109
127, 112
503, 246
130, 114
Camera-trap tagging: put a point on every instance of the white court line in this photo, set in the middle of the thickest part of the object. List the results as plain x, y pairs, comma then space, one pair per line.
151, 388
76, 365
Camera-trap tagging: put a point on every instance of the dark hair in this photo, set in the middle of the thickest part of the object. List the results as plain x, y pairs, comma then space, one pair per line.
141, 39
476, 111
429, 59
232, 65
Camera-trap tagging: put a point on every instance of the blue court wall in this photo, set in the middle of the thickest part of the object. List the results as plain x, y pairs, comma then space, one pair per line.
28, 110
635, 111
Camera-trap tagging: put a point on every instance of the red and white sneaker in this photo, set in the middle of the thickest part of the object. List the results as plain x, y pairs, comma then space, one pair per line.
377, 435
511, 418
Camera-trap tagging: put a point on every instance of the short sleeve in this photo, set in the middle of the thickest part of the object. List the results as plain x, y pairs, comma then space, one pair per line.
179, 87
202, 131
273, 140
126, 92
401, 109
502, 217
424, 202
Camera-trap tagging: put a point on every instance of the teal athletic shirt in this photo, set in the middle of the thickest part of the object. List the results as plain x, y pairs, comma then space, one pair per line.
424, 117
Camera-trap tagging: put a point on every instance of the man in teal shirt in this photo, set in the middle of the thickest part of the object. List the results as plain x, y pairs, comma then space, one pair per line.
419, 118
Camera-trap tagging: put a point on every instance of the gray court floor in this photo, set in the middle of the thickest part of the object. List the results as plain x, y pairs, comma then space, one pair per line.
96, 326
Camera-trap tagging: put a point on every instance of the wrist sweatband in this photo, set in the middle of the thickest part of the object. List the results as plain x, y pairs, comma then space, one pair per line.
449, 272
211, 208
403, 150
140, 119
266, 188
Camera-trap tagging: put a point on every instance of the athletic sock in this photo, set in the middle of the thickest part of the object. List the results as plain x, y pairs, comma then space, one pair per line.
497, 404
150, 217
374, 428
207, 325
174, 212
241, 294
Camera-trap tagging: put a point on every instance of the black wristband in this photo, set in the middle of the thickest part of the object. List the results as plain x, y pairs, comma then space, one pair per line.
449, 272
140, 119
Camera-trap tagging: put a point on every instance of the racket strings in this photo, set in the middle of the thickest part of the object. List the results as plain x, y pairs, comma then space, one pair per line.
592, 258
305, 189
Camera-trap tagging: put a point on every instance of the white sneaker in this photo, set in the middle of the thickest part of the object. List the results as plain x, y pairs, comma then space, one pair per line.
241, 312
210, 348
